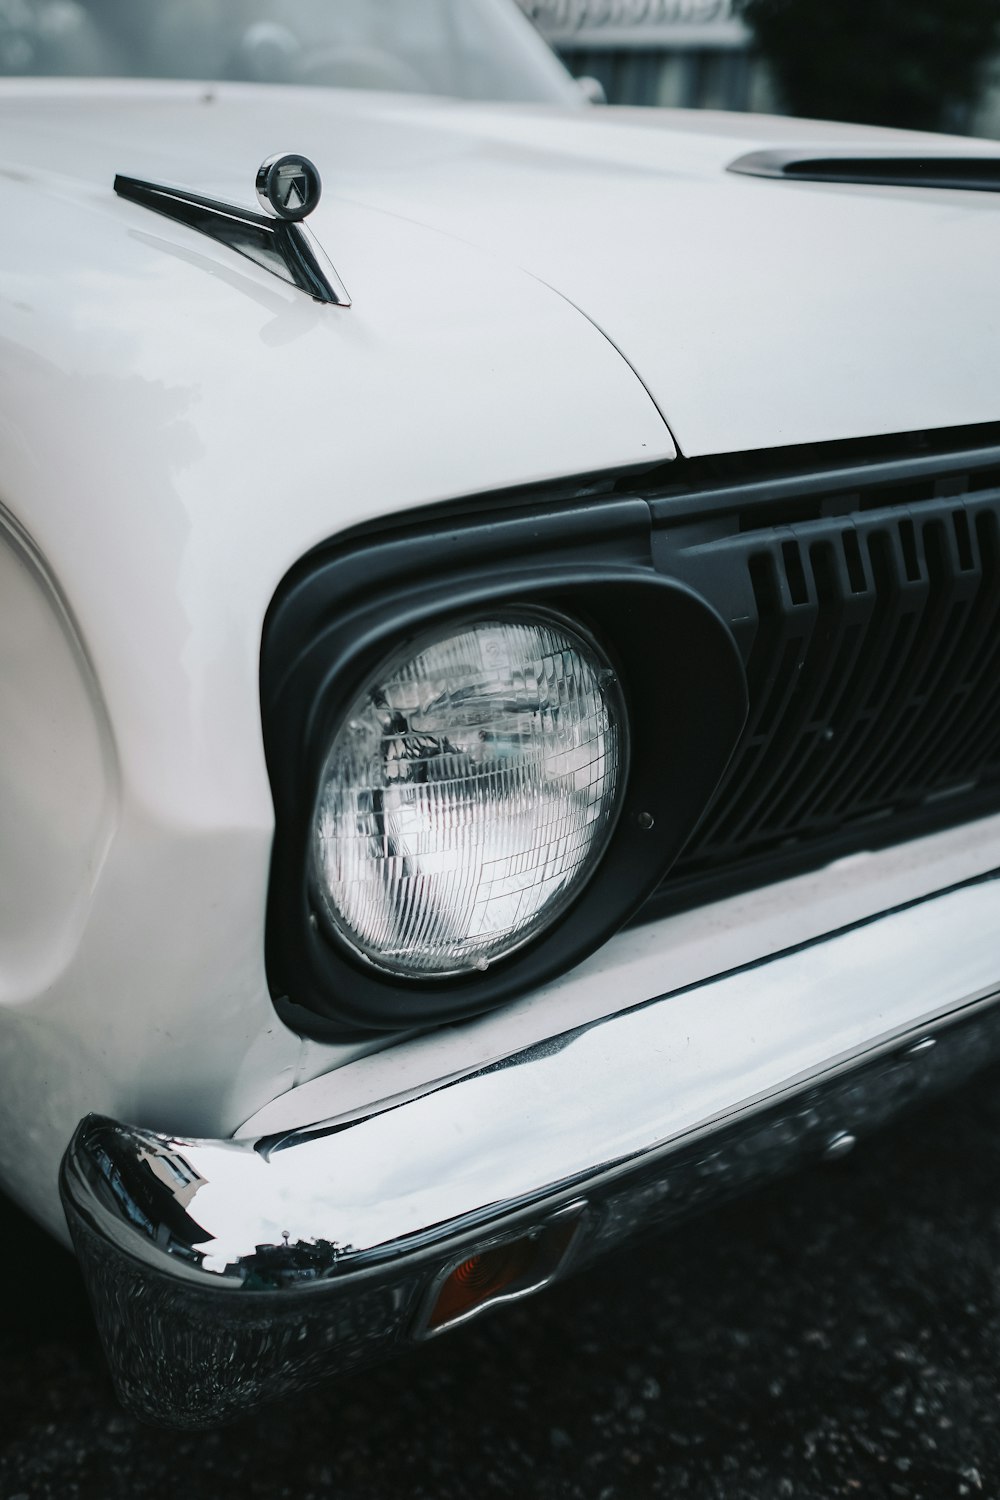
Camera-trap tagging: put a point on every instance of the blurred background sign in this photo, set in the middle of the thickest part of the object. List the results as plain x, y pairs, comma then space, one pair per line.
917, 63
639, 23
694, 53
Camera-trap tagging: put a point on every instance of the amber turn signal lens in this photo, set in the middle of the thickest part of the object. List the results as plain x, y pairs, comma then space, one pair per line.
480, 1279
519, 1266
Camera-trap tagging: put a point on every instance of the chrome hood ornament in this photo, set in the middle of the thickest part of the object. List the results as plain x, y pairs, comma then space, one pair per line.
288, 189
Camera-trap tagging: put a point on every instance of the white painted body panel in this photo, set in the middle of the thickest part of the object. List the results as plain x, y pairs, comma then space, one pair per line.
758, 313
177, 428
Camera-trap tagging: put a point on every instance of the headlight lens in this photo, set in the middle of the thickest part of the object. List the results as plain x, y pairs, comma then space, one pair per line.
469, 794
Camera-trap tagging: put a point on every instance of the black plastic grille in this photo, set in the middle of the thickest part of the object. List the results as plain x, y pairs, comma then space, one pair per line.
871, 637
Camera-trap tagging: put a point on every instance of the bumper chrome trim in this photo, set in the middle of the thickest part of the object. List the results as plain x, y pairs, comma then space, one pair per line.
226, 1272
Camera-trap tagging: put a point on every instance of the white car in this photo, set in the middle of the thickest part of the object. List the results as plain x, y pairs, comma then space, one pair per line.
499, 665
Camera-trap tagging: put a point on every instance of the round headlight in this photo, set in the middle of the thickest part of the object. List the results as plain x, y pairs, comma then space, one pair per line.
468, 794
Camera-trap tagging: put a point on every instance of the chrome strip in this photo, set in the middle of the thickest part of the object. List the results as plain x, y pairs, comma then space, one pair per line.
285, 248
646, 1115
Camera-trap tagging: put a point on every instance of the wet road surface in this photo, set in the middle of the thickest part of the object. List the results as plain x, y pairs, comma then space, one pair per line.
835, 1335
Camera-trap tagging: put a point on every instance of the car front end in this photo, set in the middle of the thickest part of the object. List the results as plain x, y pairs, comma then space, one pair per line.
496, 766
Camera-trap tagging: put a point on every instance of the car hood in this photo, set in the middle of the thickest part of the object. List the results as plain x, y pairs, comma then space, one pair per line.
537, 294
756, 313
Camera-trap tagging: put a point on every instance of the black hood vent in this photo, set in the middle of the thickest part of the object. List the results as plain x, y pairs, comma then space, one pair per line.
910, 169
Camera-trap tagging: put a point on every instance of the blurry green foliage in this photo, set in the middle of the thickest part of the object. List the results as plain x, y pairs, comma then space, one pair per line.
914, 63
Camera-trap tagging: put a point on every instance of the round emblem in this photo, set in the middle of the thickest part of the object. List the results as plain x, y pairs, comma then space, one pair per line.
288, 186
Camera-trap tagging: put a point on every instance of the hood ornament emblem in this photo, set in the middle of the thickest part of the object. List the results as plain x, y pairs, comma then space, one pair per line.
288, 186
288, 189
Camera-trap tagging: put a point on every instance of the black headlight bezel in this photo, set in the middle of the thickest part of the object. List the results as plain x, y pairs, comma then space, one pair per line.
341, 612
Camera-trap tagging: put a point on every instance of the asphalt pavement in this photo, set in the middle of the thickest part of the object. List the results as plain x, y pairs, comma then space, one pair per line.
835, 1335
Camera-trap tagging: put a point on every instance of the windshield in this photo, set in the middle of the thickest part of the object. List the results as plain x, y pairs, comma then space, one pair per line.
474, 49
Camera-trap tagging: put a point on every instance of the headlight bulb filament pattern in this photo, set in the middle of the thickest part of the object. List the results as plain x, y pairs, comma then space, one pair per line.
469, 794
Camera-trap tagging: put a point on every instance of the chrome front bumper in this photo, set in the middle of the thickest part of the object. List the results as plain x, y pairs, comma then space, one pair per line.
224, 1273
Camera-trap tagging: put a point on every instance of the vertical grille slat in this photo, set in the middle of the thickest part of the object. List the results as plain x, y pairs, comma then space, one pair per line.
923, 763
961, 752
772, 672
805, 715
895, 719
935, 664
853, 717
